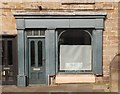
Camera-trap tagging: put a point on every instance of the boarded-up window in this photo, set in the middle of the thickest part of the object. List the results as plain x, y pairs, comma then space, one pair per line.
75, 50
75, 57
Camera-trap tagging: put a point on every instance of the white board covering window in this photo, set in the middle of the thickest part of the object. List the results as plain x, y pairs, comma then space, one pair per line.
75, 57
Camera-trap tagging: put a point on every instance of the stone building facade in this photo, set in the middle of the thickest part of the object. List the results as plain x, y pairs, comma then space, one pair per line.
110, 32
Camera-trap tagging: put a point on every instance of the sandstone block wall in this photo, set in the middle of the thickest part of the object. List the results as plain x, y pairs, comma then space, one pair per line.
110, 34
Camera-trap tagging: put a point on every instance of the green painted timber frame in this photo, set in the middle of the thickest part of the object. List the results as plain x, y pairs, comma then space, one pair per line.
52, 21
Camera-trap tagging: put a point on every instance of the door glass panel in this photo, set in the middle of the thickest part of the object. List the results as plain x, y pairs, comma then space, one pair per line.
9, 48
39, 53
3, 55
32, 50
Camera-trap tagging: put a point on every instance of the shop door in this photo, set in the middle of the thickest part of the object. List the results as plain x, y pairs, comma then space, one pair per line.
36, 61
9, 61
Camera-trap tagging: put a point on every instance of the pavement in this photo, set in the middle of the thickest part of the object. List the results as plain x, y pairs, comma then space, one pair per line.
57, 88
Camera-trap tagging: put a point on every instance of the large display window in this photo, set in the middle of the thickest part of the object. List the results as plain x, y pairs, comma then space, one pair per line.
74, 50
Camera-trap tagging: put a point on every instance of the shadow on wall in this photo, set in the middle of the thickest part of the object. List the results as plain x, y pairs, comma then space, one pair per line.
119, 46
115, 74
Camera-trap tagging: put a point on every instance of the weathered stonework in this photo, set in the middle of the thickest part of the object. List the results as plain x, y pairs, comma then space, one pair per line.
110, 34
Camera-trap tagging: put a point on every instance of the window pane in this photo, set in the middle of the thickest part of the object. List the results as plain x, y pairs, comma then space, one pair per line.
29, 33
74, 37
32, 54
3, 50
36, 32
9, 49
39, 53
42, 32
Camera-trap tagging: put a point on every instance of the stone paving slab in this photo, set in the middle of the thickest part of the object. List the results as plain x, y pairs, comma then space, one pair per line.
56, 88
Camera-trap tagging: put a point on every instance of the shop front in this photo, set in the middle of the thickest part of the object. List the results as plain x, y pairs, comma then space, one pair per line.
51, 43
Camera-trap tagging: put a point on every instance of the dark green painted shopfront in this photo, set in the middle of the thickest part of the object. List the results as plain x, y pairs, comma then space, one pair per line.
51, 43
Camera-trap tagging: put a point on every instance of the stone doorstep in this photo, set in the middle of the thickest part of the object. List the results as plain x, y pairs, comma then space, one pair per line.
73, 78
